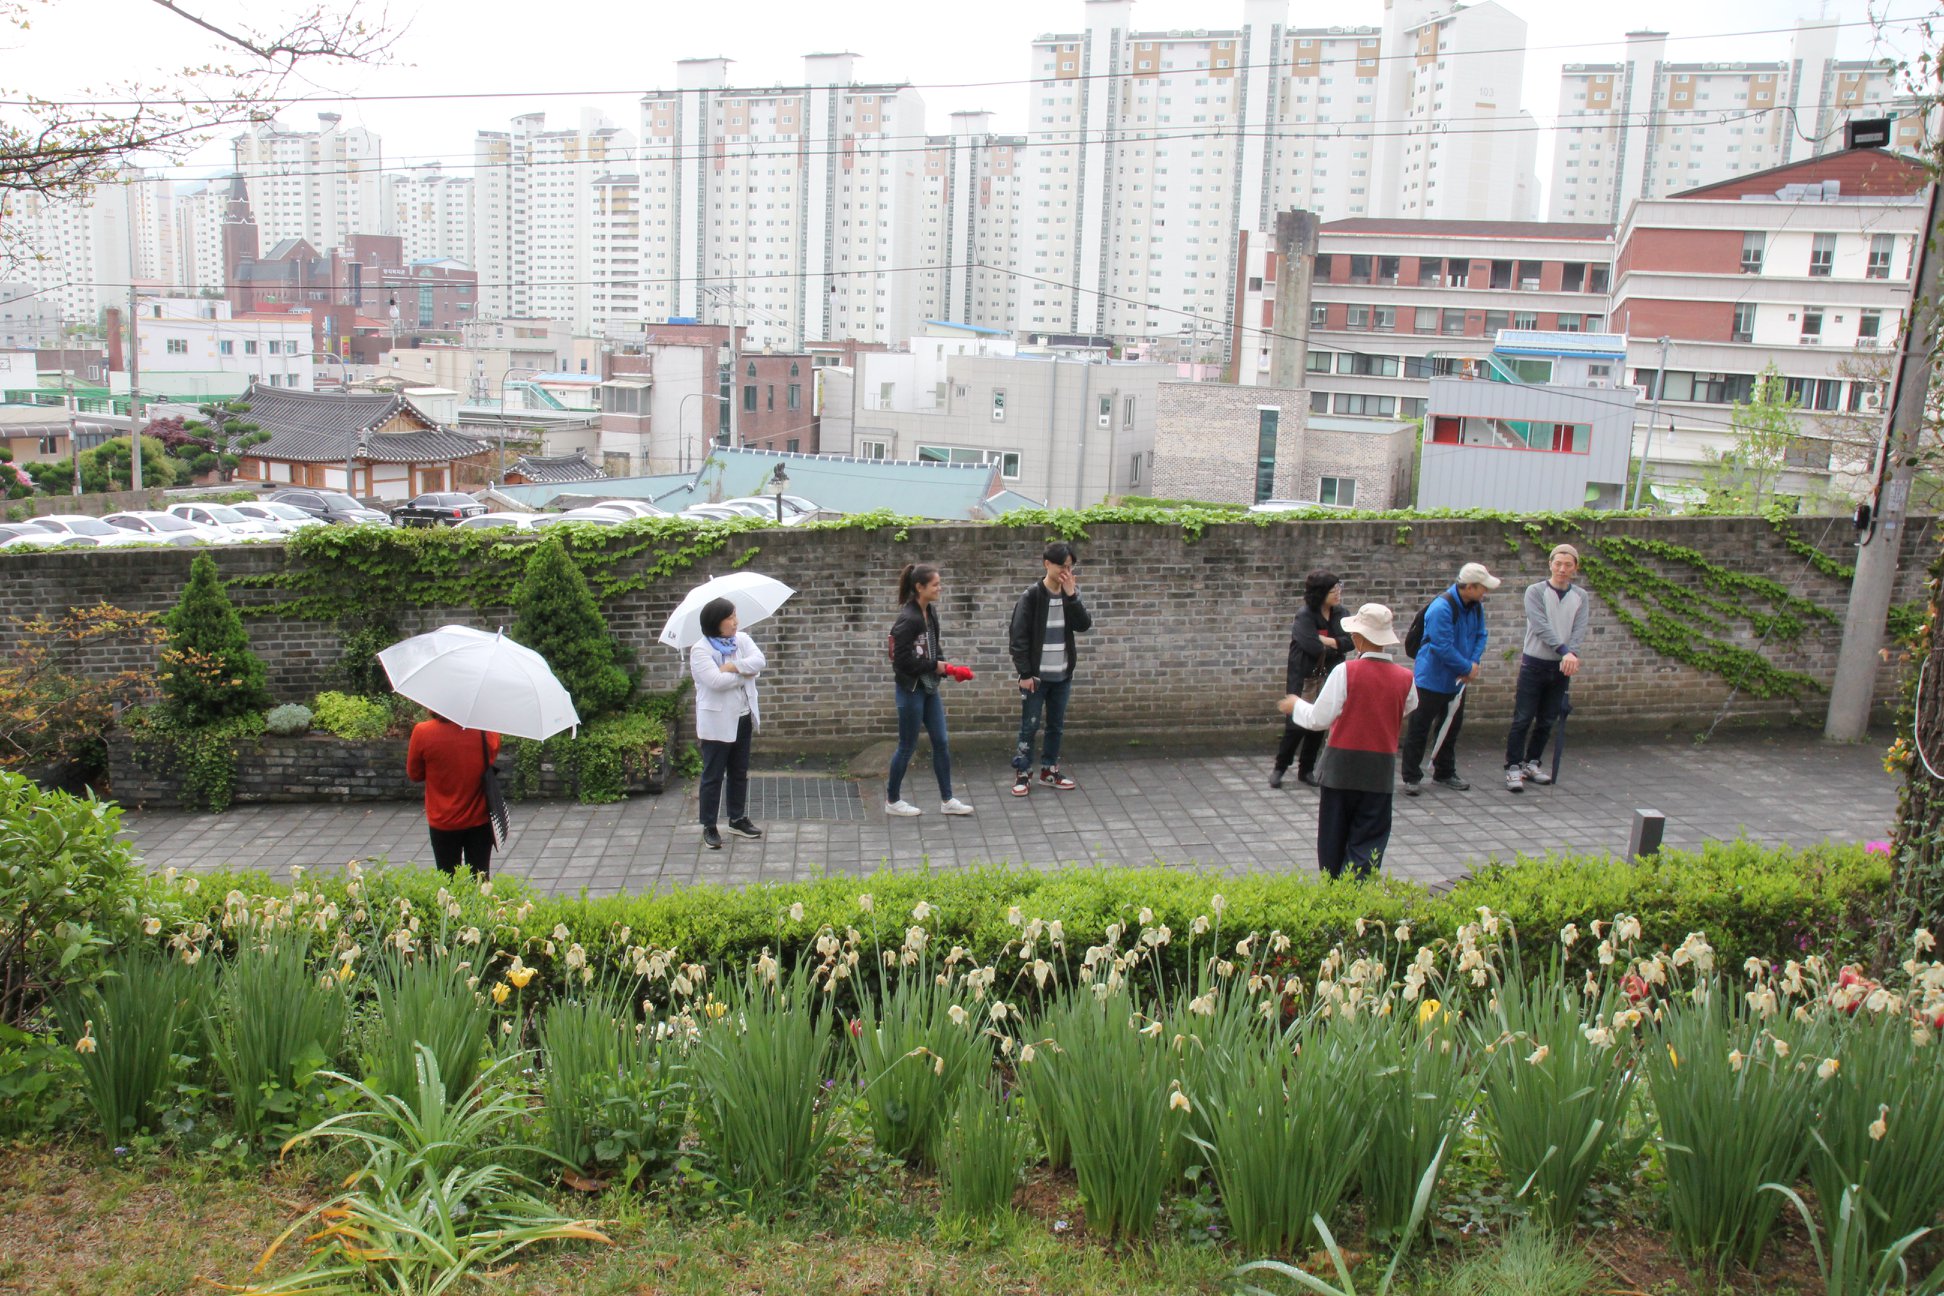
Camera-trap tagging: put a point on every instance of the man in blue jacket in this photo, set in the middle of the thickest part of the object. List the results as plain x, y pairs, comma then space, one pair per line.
1447, 660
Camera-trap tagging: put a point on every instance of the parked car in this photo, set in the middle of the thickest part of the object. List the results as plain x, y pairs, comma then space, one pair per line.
221, 517
76, 524
710, 513
630, 508
281, 516
439, 508
167, 528
480, 521
765, 507
590, 516
21, 535
328, 506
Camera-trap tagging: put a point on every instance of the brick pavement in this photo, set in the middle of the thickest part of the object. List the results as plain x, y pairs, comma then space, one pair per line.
1135, 806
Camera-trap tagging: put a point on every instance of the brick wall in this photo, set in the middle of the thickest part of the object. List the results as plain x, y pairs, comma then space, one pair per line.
1188, 635
1206, 437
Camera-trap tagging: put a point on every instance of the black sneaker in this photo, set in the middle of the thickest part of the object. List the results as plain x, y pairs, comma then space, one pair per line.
1309, 779
1276, 776
1412, 787
1453, 782
744, 828
710, 837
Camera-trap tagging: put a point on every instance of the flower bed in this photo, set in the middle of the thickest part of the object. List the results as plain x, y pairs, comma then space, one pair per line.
322, 767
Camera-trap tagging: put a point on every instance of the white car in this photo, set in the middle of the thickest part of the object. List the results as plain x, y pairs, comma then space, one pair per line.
279, 517
518, 521
629, 508
19, 535
222, 517
765, 507
587, 516
167, 528
710, 513
77, 524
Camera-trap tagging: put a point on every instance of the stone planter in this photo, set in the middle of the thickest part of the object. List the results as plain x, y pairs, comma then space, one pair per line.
314, 767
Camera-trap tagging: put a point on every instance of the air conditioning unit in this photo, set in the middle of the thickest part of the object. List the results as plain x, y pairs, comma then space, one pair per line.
1104, 420
1873, 402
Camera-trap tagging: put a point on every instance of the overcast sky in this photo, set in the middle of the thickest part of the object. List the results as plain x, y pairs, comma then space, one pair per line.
493, 59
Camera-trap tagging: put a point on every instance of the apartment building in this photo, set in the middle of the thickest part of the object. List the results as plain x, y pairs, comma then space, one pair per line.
321, 186
969, 235
430, 212
200, 211
532, 192
80, 250
1395, 301
28, 319
1151, 149
1647, 128
1806, 267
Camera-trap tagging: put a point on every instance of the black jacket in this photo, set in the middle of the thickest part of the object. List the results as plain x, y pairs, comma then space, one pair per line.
914, 646
1307, 653
1027, 638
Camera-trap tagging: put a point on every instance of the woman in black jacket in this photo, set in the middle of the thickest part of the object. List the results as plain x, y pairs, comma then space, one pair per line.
918, 668
1317, 643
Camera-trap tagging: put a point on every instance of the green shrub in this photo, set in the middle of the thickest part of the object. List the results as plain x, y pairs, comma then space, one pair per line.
274, 1024
557, 617
208, 671
288, 720
602, 761
356, 719
614, 1091
68, 884
202, 757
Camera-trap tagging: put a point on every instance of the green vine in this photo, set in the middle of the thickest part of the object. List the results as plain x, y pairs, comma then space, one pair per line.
202, 757
1815, 557
602, 761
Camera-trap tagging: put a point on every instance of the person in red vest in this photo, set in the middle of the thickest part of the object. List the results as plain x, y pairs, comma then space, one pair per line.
1362, 704
451, 762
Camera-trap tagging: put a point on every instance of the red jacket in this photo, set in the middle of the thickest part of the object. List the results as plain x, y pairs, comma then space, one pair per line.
450, 761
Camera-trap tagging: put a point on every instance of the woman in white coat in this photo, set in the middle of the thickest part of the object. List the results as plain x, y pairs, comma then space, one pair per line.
725, 664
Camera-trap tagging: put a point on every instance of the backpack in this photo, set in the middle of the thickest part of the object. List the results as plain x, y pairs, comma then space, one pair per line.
1414, 637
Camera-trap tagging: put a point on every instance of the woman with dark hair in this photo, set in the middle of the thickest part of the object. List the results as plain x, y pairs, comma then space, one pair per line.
917, 669
451, 761
1317, 643
725, 663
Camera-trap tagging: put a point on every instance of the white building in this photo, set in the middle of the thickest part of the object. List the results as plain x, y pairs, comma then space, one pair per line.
321, 186
1150, 150
28, 319
199, 214
531, 200
432, 212
969, 227
75, 248
1646, 127
193, 349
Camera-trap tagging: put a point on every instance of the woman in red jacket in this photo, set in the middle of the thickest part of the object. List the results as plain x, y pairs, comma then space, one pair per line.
451, 761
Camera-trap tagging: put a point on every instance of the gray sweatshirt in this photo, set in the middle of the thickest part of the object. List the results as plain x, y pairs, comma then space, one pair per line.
1555, 623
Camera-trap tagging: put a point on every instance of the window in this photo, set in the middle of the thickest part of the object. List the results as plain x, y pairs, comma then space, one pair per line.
1319, 315
1426, 320
1529, 276
1379, 366
795, 395
1525, 320
769, 397
1387, 268
1358, 317
1569, 323
1452, 323
1753, 244
226, 347
1134, 471
1869, 328
1384, 318
1822, 256
1317, 362
1323, 266
1009, 465
1744, 330
1127, 411
1596, 281
176, 346
1457, 271
1496, 320
870, 449
998, 405
1430, 272
249, 348
1366, 405
791, 445
1501, 274
1572, 276
1359, 269
749, 398
1265, 483
1340, 491
1319, 402
1812, 321
1879, 266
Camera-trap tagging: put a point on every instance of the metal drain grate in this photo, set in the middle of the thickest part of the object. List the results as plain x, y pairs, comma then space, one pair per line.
785, 796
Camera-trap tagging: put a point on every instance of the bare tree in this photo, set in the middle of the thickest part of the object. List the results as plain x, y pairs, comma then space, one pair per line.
55, 146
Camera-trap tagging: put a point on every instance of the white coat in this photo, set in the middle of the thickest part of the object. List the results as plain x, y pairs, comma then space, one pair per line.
721, 698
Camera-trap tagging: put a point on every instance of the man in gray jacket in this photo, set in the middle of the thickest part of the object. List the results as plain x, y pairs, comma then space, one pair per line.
1557, 612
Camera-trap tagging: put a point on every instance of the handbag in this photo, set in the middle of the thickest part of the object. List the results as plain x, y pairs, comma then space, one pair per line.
489, 786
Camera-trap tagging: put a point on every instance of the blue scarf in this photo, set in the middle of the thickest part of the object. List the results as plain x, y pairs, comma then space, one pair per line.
725, 648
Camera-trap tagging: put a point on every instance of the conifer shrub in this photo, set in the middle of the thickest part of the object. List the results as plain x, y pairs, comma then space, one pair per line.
209, 673
555, 615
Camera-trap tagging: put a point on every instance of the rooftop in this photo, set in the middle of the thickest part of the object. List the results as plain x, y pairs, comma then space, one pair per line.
1469, 228
1551, 342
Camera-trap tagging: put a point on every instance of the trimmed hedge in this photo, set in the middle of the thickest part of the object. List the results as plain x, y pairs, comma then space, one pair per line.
1750, 900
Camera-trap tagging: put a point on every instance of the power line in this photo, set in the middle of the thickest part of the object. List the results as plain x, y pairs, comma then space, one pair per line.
890, 87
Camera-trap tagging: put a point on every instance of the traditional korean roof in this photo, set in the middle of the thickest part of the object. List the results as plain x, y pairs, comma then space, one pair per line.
329, 427
555, 469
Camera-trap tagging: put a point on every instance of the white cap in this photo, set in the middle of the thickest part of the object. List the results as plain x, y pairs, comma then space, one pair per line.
1475, 574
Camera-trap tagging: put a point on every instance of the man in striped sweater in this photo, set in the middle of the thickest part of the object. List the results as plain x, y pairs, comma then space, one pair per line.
1362, 704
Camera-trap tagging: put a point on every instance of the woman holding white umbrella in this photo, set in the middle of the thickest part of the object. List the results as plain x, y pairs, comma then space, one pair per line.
725, 663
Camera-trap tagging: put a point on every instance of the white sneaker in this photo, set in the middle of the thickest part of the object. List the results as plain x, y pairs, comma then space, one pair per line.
1535, 774
954, 807
902, 809
1515, 778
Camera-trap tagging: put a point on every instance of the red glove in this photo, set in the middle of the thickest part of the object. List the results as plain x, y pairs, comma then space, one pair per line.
959, 673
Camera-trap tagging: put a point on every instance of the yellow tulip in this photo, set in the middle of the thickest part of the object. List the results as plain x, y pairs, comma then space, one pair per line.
500, 992
1428, 1011
519, 976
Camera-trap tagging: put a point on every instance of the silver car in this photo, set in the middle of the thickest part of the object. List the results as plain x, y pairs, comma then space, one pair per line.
166, 528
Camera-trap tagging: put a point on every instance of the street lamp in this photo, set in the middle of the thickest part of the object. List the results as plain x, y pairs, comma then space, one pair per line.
680, 407
779, 482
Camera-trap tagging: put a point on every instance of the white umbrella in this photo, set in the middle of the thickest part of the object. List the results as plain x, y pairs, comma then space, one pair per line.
756, 597
481, 681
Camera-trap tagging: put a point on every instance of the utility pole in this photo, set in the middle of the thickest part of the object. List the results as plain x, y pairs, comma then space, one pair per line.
134, 389
1653, 417
1881, 522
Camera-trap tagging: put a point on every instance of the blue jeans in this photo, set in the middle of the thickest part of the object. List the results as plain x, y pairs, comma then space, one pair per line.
917, 707
1542, 690
1050, 699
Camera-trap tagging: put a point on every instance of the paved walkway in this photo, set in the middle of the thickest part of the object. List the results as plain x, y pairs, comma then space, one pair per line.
1135, 806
